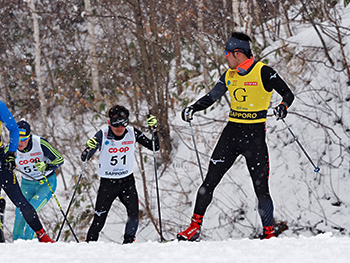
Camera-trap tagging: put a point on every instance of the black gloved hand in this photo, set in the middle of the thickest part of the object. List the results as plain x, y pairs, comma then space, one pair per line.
85, 154
10, 163
280, 111
187, 113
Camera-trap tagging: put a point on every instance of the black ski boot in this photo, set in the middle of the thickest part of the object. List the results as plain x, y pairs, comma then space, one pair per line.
128, 239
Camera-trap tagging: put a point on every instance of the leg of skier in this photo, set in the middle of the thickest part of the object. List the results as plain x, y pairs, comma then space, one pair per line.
222, 159
20, 224
9, 184
104, 200
128, 196
42, 195
257, 158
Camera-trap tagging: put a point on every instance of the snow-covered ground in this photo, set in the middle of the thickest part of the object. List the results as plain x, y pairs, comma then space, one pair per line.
320, 249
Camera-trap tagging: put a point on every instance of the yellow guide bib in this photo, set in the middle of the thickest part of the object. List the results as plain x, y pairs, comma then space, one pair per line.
249, 99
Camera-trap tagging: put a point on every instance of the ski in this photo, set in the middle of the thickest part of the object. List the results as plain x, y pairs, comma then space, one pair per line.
167, 241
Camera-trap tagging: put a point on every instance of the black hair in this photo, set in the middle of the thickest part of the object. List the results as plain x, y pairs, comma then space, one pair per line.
118, 110
241, 36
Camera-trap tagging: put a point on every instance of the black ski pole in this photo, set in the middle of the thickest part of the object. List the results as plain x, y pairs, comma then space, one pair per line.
2, 211
316, 169
71, 200
53, 194
157, 188
195, 147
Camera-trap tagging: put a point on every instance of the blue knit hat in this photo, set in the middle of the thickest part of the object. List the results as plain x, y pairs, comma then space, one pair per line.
24, 128
234, 44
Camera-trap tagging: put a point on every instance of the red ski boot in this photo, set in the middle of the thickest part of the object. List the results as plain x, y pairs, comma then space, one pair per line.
43, 237
193, 231
268, 232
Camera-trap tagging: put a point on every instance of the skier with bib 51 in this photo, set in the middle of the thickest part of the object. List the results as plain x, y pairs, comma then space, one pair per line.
116, 143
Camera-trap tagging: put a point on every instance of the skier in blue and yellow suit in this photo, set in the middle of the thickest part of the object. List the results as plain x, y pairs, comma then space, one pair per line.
8, 180
250, 84
35, 155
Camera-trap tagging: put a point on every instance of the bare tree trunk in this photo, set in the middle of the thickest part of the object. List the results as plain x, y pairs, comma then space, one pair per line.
143, 51
235, 13
246, 11
285, 19
325, 48
159, 107
202, 45
341, 46
92, 50
38, 68
3, 88
241, 16
177, 50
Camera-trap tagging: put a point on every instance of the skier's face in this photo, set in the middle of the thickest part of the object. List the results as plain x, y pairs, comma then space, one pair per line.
118, 131
22, 144
231, 59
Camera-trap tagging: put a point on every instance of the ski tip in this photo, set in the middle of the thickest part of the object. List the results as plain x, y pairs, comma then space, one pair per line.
166, 241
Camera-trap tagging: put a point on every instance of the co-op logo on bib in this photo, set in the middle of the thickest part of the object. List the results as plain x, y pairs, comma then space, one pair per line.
121, 149
32, 160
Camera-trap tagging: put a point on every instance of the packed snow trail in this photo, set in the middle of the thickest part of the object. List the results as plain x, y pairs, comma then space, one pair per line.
320, 249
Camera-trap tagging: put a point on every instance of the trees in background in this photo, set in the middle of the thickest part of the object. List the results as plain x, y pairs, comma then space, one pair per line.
144, 54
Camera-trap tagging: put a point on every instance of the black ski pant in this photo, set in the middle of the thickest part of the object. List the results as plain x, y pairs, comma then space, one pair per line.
236, 139
8, 182
108, 191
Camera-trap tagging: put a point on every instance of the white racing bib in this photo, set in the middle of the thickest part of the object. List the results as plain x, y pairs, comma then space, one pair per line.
117, 156
25, 161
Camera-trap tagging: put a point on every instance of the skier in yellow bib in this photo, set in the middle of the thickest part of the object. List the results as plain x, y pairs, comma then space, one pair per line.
250, 84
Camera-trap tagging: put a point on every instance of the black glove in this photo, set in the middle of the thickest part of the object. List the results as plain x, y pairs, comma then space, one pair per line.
85, 154
280, 111
10, 163
187, 113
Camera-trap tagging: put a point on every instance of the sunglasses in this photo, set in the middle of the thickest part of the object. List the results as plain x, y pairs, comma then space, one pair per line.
22, 139
119, 121
227, 53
